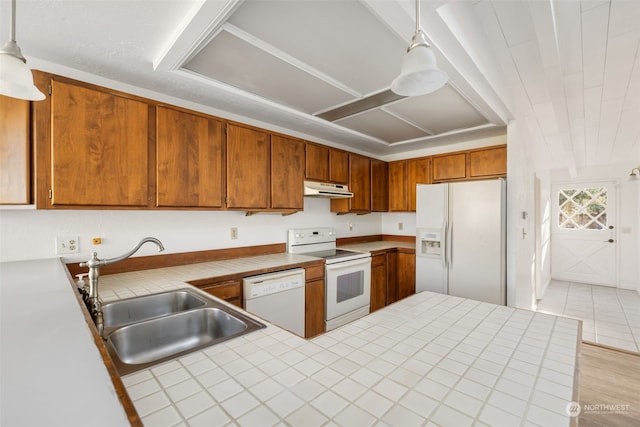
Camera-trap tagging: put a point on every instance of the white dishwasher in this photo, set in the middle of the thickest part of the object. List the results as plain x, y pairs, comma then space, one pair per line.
278, 298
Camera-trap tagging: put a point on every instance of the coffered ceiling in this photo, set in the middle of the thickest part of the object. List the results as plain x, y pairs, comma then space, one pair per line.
567, 71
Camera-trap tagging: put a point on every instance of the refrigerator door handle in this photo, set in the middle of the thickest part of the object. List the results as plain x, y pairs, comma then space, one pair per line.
444, 246
450, 244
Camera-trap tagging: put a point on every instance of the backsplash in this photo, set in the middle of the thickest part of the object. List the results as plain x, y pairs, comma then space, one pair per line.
30, 234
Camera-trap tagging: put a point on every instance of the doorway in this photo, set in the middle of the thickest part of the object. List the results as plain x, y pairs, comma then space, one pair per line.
583, 233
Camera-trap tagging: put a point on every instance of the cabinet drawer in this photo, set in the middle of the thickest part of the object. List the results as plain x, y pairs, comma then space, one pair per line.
313, 273
227, 291
377, 260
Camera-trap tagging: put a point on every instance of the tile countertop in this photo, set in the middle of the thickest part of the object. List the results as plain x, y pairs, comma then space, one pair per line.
51, 372
430, 358
378, 246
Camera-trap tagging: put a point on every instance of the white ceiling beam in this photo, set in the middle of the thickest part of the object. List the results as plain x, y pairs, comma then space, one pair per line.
204, 20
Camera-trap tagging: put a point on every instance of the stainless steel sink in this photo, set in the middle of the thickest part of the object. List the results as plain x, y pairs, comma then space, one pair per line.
145, 343
131, 310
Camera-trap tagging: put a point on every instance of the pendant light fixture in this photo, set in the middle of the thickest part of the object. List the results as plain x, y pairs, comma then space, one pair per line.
16, 79
419, 73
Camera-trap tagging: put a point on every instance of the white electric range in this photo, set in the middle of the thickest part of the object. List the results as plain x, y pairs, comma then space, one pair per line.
347, 276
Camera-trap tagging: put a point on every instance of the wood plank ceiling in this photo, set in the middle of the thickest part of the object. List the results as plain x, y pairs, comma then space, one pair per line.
568, 71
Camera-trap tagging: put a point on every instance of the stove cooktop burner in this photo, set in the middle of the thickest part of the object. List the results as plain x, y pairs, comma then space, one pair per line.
337, 255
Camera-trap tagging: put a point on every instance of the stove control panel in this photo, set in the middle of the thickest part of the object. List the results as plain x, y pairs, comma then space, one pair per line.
306, 236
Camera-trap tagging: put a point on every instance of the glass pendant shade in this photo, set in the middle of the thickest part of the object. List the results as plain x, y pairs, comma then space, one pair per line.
419, 73
16, 79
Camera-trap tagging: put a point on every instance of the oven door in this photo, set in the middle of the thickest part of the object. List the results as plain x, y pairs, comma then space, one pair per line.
347, 286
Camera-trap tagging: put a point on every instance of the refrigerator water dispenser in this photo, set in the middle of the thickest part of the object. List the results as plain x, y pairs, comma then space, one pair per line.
430, 243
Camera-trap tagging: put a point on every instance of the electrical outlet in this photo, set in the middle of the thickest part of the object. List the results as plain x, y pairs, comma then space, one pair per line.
234, 233
67, 245
400, 226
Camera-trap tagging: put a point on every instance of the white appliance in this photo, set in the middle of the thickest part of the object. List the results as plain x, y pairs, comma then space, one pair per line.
347, 277
278, 298
460, 239
325, 189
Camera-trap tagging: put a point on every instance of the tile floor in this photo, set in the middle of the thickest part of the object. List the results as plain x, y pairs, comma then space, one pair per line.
610, 316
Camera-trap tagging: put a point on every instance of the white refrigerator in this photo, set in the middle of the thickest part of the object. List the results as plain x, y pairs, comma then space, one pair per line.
460, 239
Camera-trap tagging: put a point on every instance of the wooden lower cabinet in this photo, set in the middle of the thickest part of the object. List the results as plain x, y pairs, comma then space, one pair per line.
228, 290
378, 281
392, 276
406, 273
314, 301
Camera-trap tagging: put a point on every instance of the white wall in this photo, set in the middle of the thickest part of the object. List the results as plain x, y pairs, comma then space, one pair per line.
30, 234
521, 248
628, 221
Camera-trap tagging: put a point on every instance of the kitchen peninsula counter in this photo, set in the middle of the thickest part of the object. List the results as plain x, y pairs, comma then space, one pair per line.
429, 357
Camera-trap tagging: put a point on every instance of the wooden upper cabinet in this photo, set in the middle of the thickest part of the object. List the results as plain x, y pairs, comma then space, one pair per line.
189, 159
449, 167
488, 162
326, 164
360, 183
15, 153
379, 186
418, 172
398, 186
287, 173
338, 166
317, 162
99, 148
247, 168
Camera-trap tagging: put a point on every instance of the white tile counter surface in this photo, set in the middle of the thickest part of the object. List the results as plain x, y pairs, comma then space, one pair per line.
51, 372
378, 246
430, 359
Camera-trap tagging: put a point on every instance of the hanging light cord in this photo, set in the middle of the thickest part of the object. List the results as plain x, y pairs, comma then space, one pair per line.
11, 47
419, 38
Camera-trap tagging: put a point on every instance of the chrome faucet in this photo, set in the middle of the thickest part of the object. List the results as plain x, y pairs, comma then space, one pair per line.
94, 304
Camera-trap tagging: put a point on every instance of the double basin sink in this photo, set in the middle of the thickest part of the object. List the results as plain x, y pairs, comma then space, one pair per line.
143, 331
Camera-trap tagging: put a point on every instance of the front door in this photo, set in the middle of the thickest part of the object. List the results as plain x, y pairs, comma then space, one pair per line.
583, 233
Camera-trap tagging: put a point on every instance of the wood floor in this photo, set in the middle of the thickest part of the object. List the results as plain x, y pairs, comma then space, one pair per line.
609, 377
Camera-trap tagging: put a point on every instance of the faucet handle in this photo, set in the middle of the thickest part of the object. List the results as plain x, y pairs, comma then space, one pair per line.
91, 262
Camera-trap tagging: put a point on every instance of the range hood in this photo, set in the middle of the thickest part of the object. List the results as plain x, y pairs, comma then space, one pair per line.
325, 189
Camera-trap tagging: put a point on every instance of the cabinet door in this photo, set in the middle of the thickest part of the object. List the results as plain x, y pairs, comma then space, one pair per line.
15, 170
392, 276
418, 172
406, 274
317, 162
378, 281
398, 186
379, 186
247, 168
99, 148
189, 159
338, 166
488, 162
287, 173
314, 308
360, 183
449, 167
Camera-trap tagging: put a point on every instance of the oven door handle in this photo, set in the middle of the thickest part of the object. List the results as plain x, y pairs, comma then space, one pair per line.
348, 264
